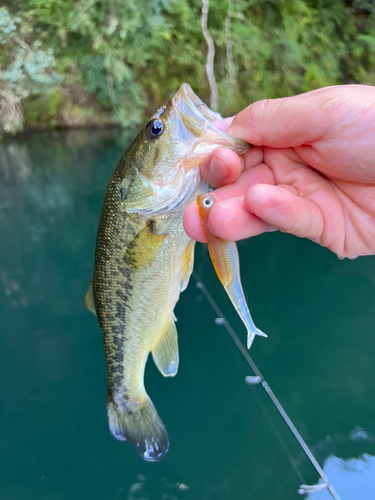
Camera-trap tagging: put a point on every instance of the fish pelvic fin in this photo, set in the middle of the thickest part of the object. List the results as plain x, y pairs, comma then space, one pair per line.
187, 265
165, 351
89, 300
141, 426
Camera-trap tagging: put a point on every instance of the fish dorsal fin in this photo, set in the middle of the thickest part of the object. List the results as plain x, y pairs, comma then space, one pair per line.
187, 265
89, 299
165, 351
144, 248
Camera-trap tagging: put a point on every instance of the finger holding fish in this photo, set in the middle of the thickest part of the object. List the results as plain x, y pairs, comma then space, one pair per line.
230, 219
223, 166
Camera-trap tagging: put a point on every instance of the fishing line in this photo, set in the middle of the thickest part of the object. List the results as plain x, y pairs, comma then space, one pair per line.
275, 429
220, 320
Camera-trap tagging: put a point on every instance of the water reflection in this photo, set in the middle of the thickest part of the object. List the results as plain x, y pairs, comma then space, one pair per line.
166, 490
355, 478
318, 358
15, 162
42, 182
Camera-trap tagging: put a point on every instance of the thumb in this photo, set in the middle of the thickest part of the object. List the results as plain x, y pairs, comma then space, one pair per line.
297, 120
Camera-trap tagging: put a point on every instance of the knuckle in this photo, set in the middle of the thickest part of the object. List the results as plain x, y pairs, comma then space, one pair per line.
292, 219
263, 113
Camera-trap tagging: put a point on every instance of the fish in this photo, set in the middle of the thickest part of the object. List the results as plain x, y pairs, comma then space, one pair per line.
224, 256
144, 259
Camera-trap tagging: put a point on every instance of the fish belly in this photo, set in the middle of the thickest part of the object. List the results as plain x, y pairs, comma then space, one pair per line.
156, 289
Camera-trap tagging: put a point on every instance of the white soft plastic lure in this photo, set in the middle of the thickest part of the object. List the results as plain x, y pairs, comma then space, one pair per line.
224, 256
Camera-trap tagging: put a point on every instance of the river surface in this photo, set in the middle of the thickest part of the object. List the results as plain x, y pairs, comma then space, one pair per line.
227, 440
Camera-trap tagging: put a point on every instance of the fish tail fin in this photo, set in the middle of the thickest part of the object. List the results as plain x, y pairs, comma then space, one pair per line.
141, 426
251, 332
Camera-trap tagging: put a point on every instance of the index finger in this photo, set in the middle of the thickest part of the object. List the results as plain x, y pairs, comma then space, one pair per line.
297, 120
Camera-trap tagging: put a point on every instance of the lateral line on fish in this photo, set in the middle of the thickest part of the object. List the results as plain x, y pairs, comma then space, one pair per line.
222, 321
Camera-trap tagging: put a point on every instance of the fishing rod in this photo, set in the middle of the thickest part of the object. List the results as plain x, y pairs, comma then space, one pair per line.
259, 379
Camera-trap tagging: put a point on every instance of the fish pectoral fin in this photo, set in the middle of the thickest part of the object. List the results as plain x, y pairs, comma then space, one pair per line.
165, 351
144, 248
89, 299
187, 265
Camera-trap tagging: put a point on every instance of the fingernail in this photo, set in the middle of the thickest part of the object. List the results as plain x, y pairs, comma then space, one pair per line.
218, 169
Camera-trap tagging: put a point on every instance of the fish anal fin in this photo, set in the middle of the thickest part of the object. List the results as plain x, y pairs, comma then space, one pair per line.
165, 351
89, 300
144, 248
187, 265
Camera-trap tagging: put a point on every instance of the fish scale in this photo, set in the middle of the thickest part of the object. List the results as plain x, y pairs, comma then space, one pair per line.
112, 279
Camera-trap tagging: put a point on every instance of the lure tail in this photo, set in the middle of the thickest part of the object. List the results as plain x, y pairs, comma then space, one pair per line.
236, 295
251, 335
141, 426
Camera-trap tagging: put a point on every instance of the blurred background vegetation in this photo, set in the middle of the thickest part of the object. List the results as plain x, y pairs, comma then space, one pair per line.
112, 62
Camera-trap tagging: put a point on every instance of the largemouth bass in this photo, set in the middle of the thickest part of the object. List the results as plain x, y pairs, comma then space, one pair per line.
144, 259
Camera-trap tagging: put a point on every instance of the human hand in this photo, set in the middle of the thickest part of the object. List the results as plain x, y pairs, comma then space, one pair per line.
310, 173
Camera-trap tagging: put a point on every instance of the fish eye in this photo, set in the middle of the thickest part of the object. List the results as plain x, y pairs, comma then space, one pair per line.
207, 202
154, 129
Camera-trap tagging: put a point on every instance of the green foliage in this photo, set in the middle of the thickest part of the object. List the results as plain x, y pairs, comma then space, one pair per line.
30, 72
8, 25
127, 56
25, 70
364, 5
42, 111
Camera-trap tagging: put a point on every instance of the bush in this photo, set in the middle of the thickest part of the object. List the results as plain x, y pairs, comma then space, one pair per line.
130, 55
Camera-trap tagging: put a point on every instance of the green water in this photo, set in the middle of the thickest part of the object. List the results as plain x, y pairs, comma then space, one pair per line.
225, 435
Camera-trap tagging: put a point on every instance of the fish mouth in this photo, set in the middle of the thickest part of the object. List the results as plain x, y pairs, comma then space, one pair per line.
194, 105
195, 118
